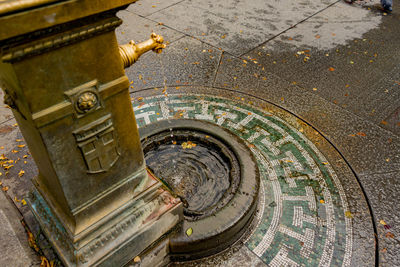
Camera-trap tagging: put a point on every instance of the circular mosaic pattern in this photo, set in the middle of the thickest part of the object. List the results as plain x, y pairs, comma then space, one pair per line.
303, 220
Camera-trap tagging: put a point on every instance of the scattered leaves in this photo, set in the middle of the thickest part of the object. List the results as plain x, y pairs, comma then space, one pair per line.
188, 145
23, 201
21, 173
136, 259
361, 134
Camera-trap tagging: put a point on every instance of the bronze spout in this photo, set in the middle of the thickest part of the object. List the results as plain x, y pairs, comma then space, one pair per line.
131, 52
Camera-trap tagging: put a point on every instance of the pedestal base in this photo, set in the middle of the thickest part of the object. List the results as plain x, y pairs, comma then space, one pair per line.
120, 236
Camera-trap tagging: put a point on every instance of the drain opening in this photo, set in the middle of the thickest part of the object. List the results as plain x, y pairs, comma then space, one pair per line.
196, 166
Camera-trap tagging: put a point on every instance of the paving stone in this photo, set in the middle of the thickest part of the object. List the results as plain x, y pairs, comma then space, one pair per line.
358, 44
383, 191
139, 29
5, 112
148, 7
15, 250
236, 26
186, 61
367, 147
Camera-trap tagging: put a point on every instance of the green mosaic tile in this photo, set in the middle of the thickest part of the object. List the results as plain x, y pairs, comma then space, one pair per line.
295, 228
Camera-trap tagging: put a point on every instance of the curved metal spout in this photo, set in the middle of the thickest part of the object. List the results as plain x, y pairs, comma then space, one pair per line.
131, 52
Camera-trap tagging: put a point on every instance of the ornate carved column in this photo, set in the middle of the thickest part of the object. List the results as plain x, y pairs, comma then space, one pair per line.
64, 78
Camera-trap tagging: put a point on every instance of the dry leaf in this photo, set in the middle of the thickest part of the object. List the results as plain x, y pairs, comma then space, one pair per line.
389, 235
189, 231
348, 214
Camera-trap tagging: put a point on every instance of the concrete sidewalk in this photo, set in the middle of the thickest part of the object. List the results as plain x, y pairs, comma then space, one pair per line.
332, 66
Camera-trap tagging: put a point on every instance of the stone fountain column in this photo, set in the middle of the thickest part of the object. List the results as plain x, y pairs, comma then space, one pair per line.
63, 75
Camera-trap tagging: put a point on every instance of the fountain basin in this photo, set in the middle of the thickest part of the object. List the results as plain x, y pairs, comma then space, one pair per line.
215, 175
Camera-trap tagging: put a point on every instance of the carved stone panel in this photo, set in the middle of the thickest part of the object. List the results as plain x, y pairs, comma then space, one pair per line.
98, 144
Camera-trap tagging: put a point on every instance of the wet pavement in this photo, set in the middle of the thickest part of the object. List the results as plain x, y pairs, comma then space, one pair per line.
312, 87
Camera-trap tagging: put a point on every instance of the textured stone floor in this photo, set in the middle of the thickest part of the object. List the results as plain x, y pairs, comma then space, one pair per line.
312, 86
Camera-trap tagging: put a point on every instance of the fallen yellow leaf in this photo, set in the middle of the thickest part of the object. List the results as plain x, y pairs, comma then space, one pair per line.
189, 231
348, 214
